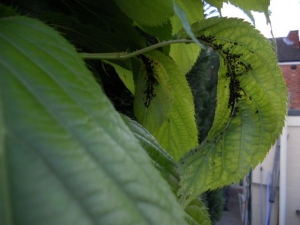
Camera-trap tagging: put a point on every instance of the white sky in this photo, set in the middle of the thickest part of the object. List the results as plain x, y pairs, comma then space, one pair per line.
285, 16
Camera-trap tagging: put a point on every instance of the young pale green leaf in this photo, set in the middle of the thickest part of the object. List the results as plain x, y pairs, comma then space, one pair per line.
153, 93
250, 113
178, 132
150, 13
66, 155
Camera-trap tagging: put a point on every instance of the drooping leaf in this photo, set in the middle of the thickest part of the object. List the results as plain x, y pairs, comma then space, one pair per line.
66, 155
178, 133
251, 108
153, 94
150, 13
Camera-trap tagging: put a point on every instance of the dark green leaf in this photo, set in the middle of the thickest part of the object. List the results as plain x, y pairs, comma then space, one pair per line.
6, 11
66, 155
144, 12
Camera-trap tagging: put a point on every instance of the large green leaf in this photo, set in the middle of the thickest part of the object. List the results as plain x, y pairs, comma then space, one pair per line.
178, 132
66, 155
251, 108
151, 13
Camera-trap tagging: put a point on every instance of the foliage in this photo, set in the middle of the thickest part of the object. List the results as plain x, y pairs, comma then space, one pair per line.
67, 156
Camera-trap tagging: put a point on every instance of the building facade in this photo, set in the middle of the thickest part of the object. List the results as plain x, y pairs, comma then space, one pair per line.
275, 196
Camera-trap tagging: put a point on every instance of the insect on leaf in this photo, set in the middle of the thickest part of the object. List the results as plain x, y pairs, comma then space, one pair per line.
153, 94
178, 132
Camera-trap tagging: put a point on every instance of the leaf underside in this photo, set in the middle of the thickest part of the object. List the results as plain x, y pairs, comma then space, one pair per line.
66, 155
250, 113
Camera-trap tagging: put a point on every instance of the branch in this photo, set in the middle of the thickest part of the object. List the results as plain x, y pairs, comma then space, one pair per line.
126, 55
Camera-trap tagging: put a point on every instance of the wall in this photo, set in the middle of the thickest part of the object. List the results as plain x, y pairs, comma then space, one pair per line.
293, 180
292, 78
293, 172
259, 194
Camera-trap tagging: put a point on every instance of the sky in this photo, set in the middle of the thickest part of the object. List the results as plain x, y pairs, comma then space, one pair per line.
285, 16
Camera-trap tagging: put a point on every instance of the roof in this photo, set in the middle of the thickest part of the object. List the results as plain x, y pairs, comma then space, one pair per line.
288, 48
287, 51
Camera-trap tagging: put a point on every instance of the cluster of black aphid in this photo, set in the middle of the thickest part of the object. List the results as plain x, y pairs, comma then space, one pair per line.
207, 39
151, 80
235, 67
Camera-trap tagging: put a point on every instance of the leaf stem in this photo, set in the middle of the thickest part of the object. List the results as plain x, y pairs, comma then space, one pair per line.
126, 55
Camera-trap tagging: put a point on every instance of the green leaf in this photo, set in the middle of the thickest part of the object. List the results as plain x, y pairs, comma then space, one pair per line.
217, 3
150, 13
185, 55
250, 113
181, 14
125, 75
178, 132
161, 158
66, 155
6, 11
190, 12
162, 33
256, 5
90, 37
197, 213
153, 94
